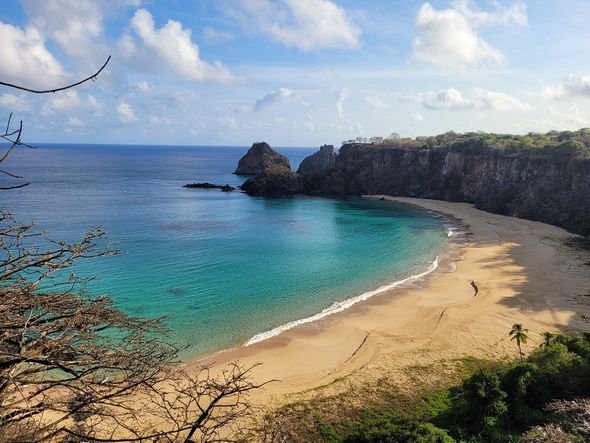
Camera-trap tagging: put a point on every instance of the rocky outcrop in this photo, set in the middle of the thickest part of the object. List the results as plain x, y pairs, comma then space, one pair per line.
321, 161
207, 185
277, 181
554, 190
260, 158
551, 186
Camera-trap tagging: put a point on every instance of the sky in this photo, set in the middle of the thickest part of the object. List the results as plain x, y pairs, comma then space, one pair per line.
293, 72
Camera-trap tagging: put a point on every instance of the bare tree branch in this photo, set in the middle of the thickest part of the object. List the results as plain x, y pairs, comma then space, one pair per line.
63, 88
14, 137
76, 368
73, 366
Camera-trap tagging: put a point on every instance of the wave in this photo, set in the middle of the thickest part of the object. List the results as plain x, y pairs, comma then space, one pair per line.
340, 306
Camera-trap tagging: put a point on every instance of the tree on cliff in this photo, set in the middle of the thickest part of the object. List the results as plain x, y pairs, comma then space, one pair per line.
75, 368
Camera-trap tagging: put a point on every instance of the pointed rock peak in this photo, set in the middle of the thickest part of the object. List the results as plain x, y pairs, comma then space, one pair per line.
260, 158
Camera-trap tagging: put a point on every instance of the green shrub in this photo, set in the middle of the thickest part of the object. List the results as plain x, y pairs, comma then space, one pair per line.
386, 430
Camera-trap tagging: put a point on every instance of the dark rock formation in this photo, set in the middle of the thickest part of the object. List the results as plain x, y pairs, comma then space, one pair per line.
538, 177
259, 158
277, 181
321, 161
550, 189
206, 185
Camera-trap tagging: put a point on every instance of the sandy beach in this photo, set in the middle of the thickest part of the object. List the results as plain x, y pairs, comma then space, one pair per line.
524, 272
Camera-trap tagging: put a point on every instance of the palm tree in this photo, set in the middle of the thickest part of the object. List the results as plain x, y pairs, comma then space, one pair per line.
519, 334
547, 339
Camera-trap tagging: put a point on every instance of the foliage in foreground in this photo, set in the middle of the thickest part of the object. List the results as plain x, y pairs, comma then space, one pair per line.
75, 368
544, 398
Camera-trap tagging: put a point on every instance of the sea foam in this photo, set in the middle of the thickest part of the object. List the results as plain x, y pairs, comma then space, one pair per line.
341, 305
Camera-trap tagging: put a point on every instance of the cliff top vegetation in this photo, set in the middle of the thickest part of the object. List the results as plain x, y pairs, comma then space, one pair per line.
554, 144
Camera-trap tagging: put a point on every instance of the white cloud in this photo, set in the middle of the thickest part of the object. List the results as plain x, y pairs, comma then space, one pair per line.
142, 86
575, 118
283, 95
231, 123
304, 24
556, 119
214, 34
481, 99
69, 101
417, 116
127, 47
62, 101
513, 14
309, 125
449, 37
26, 60
76, 25
75, 122
572, 86
13, 102
158, 120
450, 99
94, 104
376, 103
126, 113
342, 95
171, 48
497, 101
274, 97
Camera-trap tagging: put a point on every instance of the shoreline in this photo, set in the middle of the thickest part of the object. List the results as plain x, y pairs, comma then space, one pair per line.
524, 275
444, 261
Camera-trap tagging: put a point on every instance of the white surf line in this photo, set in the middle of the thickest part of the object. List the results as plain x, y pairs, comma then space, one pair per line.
340, 306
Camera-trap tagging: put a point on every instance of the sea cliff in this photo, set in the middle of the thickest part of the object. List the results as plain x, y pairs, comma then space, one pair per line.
546, 179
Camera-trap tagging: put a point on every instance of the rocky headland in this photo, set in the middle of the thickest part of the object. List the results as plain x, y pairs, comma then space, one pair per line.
321, 161
259, 159
542, 177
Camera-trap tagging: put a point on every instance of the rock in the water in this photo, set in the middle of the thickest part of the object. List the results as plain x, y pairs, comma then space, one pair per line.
320, 161
260, 158
206, 185
277, 181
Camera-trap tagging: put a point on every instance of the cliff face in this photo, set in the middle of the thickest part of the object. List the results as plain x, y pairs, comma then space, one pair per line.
278, 181
260, 158
322, 160
551, 190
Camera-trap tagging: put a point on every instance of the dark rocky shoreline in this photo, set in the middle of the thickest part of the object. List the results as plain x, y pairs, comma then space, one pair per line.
550, 184
206, 185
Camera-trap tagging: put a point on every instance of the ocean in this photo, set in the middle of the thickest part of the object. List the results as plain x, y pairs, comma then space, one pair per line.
223, 269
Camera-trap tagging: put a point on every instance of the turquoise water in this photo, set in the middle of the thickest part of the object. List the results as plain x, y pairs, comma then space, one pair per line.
221, 267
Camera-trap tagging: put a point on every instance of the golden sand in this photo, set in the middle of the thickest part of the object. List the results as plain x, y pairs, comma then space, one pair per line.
524, 274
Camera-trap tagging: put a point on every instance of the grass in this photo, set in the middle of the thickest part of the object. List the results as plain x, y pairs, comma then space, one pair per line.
386, 402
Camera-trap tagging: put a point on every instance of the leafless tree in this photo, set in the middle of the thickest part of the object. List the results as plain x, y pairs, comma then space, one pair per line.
75, 368
13, 135
570, 422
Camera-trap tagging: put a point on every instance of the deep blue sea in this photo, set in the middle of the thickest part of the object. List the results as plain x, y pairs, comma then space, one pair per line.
221, 267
